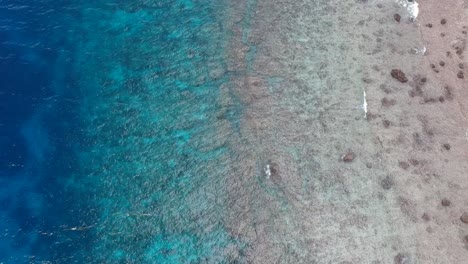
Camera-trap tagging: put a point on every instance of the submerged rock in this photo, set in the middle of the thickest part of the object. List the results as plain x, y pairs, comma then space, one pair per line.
399, 75
446, 202
404, 165
272, 172
387, 183
348, 157
459, 45
386, 123
388, 102
401, 258
426, 217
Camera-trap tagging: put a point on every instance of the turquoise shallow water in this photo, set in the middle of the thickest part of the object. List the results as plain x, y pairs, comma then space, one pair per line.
133, 144
154, 147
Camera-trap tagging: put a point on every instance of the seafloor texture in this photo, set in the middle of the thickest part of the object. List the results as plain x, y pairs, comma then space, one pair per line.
243, 131
154, 161
318, 91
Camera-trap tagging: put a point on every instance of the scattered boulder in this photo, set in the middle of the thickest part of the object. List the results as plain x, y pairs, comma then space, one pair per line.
443, 21
272, 172
464, 218
386, 123
460, 75
459, 45
446, 202
387, 183
399, 75
416, 91
448, 93
401, 258
446, 146
417, 140
426, 217
348, 157
397, 17
429, 100
404, 165
388, 102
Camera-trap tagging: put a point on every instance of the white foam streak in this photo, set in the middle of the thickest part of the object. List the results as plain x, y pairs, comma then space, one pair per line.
364, 105
268, 171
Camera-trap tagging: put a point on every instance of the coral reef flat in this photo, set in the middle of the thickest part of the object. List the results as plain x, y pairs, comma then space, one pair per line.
242, 131
356, 142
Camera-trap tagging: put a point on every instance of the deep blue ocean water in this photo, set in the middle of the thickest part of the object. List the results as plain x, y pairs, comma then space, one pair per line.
111, 127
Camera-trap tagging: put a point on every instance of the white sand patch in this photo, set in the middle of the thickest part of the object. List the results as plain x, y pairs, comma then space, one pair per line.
420, 51
412, 7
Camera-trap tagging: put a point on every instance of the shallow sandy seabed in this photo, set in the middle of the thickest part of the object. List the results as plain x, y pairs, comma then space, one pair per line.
306, 71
